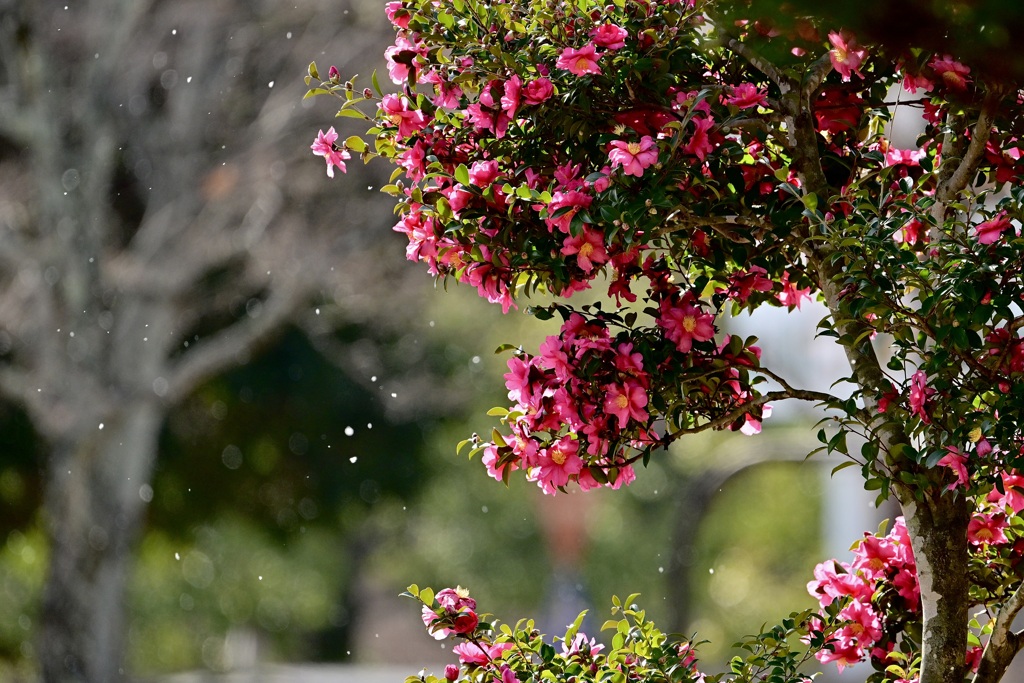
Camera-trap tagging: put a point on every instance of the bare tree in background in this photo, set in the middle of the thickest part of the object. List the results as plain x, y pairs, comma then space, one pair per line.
158, 222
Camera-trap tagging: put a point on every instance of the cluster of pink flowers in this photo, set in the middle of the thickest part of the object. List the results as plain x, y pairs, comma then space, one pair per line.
581, 411
881, 581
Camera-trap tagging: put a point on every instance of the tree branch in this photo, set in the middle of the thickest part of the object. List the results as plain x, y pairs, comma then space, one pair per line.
958, 178
735, 414
1003, 644
228, 347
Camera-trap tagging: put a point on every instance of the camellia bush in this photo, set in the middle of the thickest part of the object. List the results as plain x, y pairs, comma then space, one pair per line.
699, 162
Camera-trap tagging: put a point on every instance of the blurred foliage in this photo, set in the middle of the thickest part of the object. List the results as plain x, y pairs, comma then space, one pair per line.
277, 482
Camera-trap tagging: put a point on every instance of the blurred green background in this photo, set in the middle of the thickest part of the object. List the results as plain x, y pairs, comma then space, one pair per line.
288, 496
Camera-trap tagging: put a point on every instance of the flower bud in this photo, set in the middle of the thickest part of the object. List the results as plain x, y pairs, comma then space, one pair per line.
333, 74
367, 93
451, 672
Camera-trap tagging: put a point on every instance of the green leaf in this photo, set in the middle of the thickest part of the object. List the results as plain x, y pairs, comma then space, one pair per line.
462, 174
355, 143
313, 72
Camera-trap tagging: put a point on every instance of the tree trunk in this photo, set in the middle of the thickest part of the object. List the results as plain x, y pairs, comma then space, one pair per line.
938, 531
94, 505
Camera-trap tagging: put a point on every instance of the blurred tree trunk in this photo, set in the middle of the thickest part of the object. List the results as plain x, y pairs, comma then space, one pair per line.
96, 495
147, 244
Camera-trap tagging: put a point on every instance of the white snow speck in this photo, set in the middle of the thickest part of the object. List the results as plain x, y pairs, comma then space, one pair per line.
394, 395
353, 459
188, 80
177, 556
101, 425
349, 431
271, 84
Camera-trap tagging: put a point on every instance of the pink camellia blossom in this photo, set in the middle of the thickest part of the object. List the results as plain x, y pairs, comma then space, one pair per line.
538, 90
914, 82
700, 144
956, 460
625, 402
990, 231
952, 72
751, 425
484, 173
1013, 486
323, 146
580, 645
610, 36
556, 464
508, 675
744, 282
451, 672
476, 653
580, 62
987, 529
574, 199
846, 54
399, 111
633, 157
683, 323
512, 91
791, 296
746, 95
911, 232
398, 16
588, 246
919, 393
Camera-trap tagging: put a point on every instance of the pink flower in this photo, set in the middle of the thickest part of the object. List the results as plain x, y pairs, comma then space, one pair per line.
699, 143
323, 146
846, 54
987, 529
475, 653
633, 157
955, 460
580, 62
751, 425
919, 393
610, 36
451, 672
538, 90
455, 599
580, 645
484, 173
625, 402
398, 110
911, 83
684, 323
511, 95
911, 232
952, 72
574, 199
990, 231
588, 246
791, 296
746, 95
396, 15
556, 464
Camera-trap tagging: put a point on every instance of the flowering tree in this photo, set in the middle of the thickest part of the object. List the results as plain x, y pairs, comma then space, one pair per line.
699, 161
